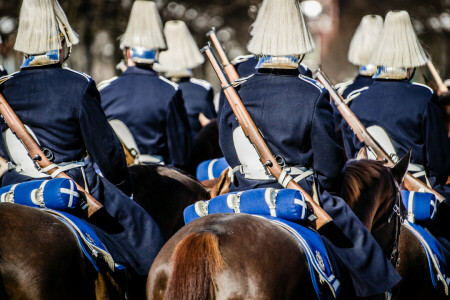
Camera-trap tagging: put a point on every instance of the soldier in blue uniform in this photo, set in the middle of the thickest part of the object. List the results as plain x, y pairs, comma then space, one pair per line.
361, 46
182, 56
407, 111
62, 108
151, 106
295, 118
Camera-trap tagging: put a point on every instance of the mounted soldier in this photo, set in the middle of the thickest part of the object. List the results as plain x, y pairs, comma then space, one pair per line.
361, 46
61, 108
407, 112
177, 63
295, 118
150, 106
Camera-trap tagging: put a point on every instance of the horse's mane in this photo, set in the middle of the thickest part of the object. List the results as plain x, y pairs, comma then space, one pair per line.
359, 175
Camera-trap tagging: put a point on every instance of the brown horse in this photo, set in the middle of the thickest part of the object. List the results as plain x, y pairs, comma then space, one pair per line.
366, 181
40, 257
238, 256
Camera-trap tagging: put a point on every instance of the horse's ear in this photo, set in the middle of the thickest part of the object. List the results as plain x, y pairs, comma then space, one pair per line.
362, 154
399, 170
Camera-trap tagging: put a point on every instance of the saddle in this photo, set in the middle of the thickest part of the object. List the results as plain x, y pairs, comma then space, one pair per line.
134, 156
57, 197
279, 207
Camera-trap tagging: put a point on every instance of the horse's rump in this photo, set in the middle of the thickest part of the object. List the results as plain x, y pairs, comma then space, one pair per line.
40, 257
196, 258
232, 256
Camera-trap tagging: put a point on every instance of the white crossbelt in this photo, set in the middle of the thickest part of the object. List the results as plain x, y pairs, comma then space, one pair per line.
285, 176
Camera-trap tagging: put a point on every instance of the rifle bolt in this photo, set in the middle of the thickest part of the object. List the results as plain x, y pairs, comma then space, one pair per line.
268, 164
37, 157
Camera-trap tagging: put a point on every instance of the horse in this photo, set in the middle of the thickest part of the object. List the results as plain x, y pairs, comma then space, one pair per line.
398, 242
239, 256
40, 257
205, 146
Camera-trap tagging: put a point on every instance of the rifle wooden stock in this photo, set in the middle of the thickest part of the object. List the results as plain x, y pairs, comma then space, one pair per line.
411, 183
251, 131
442, 88
17, 127
228, 67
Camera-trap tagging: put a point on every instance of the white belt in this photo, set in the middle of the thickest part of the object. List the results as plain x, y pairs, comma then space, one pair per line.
285, 176
62, 167
418, 171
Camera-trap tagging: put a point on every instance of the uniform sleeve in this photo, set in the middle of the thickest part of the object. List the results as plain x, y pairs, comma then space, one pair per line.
328, 159
351, 142
222, 100
437, 143
178, 132
210, 110
101, 142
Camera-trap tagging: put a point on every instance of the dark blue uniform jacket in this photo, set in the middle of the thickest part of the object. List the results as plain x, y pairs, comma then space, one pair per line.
360, 82
153, 109
246, 68
63, 109
198, 97
411, 117
294, 115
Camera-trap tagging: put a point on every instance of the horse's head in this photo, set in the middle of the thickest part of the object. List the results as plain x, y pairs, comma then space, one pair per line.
371, 189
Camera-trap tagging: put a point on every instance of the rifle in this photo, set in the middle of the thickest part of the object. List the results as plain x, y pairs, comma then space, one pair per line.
319, 217
411, 183
17, 127
442, 88
227, 66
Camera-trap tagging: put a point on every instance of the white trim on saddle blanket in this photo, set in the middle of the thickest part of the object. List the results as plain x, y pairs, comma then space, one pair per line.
88, 240
432, 249
277, 206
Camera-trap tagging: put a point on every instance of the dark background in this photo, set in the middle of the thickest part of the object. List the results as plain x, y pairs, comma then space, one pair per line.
99, 23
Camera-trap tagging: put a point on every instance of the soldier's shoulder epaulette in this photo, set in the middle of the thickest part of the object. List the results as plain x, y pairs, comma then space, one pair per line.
103, 84
354, 94
341, 87
424, 86
312, 82
202, 83
173, 84
84, 75
241, 80
241, 58
7, 77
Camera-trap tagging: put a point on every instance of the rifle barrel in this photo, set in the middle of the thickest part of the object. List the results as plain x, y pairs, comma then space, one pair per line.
228, 67
442, 88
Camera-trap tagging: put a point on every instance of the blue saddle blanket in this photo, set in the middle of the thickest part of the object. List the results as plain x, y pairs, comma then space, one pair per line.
309, 240
88, 240
432, 248
210, 169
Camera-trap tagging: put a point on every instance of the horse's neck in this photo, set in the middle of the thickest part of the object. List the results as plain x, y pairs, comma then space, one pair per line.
375, 210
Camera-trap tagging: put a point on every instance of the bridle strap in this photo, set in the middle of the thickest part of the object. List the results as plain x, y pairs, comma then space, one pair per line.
396, 212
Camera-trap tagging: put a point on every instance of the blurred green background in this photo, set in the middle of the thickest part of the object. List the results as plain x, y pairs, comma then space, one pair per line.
99, 23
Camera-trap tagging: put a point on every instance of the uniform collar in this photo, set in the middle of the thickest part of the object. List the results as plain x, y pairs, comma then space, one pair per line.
51, 66
140, 70
291, 72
